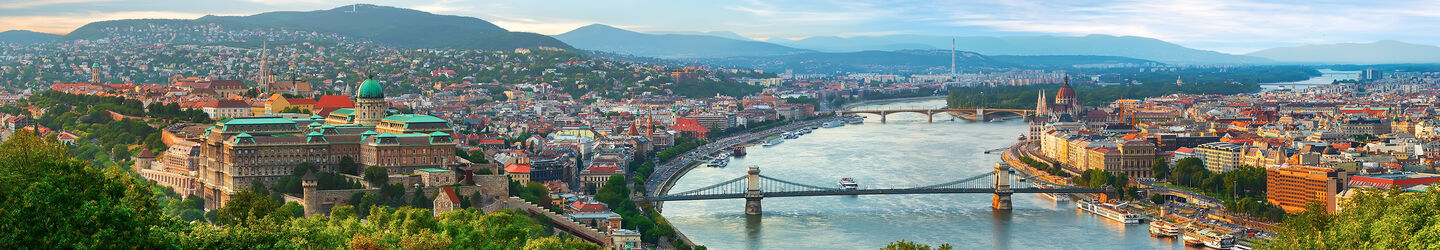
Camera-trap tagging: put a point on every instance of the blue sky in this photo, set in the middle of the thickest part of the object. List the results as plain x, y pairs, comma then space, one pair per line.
1232, 26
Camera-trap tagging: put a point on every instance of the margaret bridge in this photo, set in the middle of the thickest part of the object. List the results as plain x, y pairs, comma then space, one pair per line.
753, 187
979, 113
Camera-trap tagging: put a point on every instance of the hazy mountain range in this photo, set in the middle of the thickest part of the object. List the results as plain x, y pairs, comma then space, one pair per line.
408, 28
26, 37
1387, 51
1098, 45
610, 39
405, 28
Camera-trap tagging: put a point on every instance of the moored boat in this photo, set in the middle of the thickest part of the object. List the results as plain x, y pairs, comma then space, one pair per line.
1162, 229
832, 124
1208, 238
1112, 212
774, 142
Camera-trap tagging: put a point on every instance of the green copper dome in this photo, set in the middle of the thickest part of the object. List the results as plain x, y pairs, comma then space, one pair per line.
370, 89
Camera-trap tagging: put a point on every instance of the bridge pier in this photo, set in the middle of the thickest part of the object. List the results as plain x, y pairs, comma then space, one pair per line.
930, 116
882, 116
752, 190
980, 114
1001, 201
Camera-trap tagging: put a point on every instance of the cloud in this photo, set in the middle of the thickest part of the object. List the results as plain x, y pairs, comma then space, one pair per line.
26, 4
63, 24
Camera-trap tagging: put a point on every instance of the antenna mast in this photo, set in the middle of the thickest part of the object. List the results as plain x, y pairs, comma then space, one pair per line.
952, 57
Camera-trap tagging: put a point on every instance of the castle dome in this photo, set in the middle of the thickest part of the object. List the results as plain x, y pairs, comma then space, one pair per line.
370, 89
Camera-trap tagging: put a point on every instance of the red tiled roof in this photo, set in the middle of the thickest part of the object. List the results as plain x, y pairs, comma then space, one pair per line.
450, 194
585, 206
517, 168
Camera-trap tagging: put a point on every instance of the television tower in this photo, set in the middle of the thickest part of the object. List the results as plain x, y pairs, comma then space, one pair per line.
952, 57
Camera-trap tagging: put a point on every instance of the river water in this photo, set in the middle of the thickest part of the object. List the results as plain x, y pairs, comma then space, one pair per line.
905, 152
1326, 77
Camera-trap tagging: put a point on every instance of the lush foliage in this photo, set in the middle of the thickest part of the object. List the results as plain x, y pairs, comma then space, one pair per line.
908, 245
1215, 81
682, 145
1391, 219
1052, 169
51, 199
616, 195
1095, 178
1243, 187
54, 200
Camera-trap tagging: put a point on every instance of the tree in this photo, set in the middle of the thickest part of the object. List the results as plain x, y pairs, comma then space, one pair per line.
419, 201
377, 176
907, 245
348, 166
1372, 219
1160, 169
246, 207
53, 200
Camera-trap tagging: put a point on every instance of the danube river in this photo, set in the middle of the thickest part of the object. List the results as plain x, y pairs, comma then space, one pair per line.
905, 152
1326, 77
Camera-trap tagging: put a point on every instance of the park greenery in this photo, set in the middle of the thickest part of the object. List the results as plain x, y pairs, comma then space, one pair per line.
1134, 85
1099, 178
1242, 189
1372, 219
646, 220
104, 140
55, 200
1049, 168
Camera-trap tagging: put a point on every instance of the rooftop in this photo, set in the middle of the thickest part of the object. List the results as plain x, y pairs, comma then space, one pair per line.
412, 118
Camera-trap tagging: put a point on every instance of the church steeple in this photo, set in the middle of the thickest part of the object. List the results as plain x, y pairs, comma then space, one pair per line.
1042, 107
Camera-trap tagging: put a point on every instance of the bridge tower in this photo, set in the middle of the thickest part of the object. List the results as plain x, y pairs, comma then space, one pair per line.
1002, 187
752, 191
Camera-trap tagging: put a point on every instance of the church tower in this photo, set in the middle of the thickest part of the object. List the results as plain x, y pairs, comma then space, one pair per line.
266, 77
369, 103
95, 73
1042, 108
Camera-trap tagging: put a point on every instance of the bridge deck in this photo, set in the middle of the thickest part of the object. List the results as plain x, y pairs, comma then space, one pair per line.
875, 192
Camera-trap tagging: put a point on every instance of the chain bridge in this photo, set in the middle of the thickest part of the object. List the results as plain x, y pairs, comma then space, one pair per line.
753, 187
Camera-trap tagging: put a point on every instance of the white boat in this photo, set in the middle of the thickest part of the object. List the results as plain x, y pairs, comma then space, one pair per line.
1056, 197
719, 163
849, 184
832, 124
791, 135
855, 120
774, 142
1208, 238
1112, 212
1162, 229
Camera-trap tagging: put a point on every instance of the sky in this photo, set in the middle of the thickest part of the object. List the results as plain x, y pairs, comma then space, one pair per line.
1231, 26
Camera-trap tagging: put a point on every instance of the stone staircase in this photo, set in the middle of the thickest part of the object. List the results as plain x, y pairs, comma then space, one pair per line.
585, 232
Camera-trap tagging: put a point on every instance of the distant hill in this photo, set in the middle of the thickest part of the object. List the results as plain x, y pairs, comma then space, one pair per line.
600, 37
398, 27
1387, 51
26, 37
1099, 45
897, 62
724, 34
1070, 61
